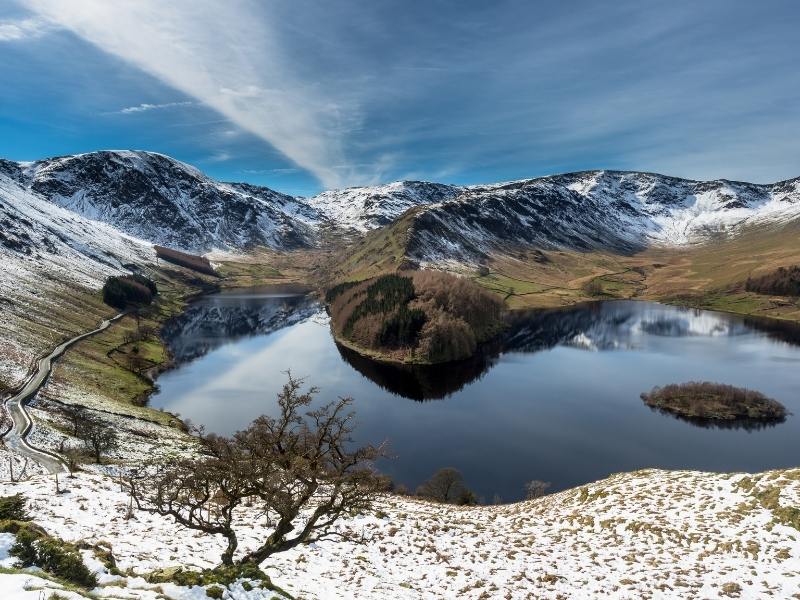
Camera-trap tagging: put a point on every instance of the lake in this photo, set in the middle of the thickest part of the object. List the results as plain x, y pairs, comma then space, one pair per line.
557, 399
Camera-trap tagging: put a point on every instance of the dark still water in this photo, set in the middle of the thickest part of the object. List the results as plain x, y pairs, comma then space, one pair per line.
558, 400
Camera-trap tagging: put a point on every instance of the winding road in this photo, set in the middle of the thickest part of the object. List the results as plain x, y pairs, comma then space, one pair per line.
15, 439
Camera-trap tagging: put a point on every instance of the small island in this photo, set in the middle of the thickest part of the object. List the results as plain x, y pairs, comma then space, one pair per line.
420, 317
704, 401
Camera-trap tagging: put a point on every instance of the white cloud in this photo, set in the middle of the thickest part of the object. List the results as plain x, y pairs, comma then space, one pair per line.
225, 55
23, 29
144, 107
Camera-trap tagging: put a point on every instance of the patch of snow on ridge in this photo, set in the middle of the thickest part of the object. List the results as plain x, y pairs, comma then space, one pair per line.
365, 208
48, 252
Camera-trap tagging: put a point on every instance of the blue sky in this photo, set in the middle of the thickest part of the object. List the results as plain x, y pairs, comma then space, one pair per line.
306, 95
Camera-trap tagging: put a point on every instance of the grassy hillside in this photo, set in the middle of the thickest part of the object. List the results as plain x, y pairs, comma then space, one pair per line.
380, 251
712, 275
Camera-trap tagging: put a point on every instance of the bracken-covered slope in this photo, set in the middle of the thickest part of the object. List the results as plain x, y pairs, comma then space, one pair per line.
165, 201
623, 212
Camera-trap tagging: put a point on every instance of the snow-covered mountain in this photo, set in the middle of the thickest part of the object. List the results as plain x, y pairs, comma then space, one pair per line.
595, 210
37, 236
365, 208
156, 198
167, 202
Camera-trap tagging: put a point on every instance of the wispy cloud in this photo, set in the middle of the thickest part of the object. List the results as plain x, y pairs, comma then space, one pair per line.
283, 171
219, 156
356, 93
23, 29
144, 107
225, 55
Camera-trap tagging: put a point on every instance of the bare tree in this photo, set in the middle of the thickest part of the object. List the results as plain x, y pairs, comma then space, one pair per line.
297, 468
75, 414
73, 459
447, 485
536, 489
98, 436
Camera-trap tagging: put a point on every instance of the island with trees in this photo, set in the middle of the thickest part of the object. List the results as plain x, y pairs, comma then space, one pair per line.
422, 317
704, 401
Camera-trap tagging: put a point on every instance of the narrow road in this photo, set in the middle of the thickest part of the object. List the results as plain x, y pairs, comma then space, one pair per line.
15, 439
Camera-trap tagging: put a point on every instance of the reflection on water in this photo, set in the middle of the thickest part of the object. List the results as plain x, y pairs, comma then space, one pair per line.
421, 382
218, 319
599, 326
556, 398
743, 424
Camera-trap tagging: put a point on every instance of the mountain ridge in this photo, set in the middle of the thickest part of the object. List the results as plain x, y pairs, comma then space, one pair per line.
156, 198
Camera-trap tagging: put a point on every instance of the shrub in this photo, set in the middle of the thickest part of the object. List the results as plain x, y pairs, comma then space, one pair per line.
222, 575
61, 559
215, 592
447, 485
12, 508
785, 281
536, 489
593, 287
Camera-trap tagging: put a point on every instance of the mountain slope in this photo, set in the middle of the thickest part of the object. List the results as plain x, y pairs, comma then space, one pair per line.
167, 202
622, 212
53, 261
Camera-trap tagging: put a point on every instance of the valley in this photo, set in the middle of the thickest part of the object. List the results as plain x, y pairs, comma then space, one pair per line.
631, 280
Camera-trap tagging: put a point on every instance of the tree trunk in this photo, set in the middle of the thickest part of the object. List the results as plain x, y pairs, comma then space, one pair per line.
275, 543
227, 556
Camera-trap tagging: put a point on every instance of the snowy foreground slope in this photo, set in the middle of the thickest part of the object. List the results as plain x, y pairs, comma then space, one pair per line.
665, 534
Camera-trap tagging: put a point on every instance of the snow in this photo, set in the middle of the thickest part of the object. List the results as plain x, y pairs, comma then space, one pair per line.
365, 208
46, 252
168, 202
6, 541
596, 210
674, 534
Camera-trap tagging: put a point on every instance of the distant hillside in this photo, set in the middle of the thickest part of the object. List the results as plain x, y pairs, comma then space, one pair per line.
613, 211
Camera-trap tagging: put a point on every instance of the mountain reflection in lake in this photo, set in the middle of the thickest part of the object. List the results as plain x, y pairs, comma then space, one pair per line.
556, 399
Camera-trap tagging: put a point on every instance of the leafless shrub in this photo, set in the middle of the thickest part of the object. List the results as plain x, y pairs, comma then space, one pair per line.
447, 485
536, 489
299, 469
